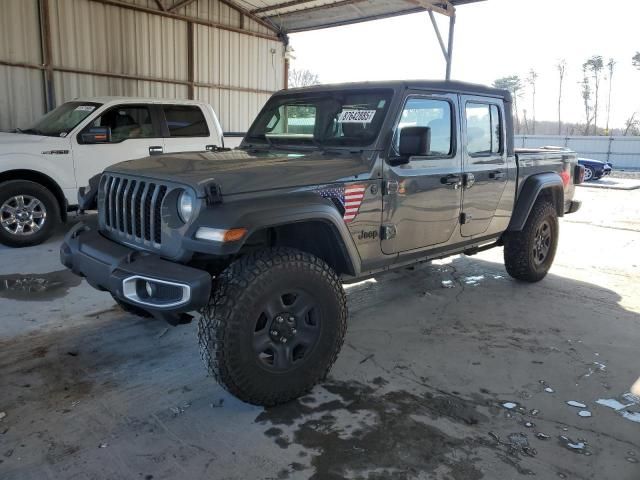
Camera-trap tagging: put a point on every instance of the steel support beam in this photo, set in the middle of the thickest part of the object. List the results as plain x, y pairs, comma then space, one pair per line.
278, 6
124, 76
45, 42
246, 13
190, 61
185, 18
447, 51
180, 4
439, 6
452, 26
437, 30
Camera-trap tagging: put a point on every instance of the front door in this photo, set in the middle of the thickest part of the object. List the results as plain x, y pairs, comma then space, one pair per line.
422, 200
135, 133
485, 162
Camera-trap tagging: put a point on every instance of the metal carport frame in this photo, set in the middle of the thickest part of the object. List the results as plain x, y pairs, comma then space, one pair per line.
303, 15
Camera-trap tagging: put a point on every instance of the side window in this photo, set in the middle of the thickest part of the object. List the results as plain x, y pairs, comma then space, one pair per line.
484, 130
125, 122
435, 114
185, 121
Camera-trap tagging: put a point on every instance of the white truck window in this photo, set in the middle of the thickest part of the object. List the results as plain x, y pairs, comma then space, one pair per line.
185, 121
126, 121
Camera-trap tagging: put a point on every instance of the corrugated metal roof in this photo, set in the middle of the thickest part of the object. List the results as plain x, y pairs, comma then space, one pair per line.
291, 16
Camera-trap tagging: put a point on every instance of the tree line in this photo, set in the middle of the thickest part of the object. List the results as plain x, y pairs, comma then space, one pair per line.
595, 71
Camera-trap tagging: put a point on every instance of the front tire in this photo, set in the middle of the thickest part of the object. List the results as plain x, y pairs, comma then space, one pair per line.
29, 213
274, 326
529, 254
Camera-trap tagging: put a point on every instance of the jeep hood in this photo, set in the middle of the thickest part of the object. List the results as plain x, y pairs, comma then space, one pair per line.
240, 171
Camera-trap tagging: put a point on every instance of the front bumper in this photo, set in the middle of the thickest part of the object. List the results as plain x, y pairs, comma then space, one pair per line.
165, 289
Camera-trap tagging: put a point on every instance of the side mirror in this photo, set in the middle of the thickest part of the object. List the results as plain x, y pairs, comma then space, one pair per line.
96, 135
415, 141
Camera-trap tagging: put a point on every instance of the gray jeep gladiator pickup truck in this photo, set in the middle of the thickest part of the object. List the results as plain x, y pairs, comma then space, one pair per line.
331, 184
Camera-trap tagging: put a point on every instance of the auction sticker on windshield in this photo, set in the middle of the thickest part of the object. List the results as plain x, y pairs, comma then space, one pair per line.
356, 116
85, 108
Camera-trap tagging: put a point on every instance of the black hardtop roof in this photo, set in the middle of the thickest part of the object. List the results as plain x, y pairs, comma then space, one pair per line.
450, 86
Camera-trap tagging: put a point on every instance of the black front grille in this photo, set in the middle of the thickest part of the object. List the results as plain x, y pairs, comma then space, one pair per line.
132, 208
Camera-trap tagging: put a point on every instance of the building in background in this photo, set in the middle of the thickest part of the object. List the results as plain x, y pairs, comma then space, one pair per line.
52, 51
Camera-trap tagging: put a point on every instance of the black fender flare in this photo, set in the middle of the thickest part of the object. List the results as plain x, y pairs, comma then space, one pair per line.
531, 189
257, 214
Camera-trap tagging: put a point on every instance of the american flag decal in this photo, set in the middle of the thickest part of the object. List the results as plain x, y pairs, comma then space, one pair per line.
350, 197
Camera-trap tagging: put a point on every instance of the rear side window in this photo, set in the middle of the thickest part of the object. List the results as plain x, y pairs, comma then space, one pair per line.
185, 121
484, 130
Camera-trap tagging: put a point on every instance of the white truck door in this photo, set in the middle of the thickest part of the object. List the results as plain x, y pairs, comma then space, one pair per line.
134, 132
189, 128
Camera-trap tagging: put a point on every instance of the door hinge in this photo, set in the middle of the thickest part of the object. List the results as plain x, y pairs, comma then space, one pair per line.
387, 232
465, 218
389, 187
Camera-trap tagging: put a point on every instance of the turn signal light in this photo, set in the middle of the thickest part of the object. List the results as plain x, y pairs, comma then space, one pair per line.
234, 234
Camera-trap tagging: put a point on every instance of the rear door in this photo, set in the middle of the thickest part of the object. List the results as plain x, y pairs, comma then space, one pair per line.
186, 129
422, 201
485, 162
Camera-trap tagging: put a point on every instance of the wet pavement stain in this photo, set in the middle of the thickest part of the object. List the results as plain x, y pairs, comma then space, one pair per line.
389, 436
38, 286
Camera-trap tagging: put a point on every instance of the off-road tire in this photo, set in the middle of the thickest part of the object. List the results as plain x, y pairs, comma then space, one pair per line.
132, 309
13, 188
227, 326
519, 246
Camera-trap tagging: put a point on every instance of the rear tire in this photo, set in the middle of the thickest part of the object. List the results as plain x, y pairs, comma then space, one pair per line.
529, 253
274, 326
29, 213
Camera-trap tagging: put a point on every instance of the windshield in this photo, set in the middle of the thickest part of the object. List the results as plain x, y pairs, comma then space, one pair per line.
59, 122
334, 118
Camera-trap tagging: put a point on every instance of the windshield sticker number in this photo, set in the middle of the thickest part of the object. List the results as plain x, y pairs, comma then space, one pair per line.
356, 116
85, 108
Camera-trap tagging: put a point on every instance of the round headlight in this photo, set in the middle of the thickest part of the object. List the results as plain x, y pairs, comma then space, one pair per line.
185, 206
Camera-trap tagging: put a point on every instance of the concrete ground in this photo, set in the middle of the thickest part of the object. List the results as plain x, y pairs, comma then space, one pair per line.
451, 370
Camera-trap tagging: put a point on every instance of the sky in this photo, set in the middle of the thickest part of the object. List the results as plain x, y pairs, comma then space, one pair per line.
493, 39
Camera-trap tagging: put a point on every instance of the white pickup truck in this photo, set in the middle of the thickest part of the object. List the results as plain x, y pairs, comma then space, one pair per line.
42, 167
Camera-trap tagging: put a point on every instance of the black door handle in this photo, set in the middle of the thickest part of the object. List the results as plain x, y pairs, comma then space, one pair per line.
496, 175
454, 180
155, 150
